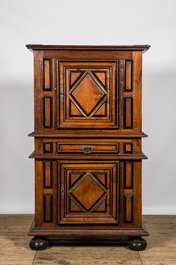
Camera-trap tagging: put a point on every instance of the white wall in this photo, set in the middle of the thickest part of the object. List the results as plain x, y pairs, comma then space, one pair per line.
87, 22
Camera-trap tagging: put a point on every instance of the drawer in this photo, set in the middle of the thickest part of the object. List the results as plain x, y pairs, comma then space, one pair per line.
87, 147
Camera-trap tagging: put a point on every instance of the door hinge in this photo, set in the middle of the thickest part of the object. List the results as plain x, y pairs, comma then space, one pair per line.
62, 190
61, 94
119, 110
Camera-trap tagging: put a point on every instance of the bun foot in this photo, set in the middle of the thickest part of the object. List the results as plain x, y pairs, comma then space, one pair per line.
38, 243
137, 243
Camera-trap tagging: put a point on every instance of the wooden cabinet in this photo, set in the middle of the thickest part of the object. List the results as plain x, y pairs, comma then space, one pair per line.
88, 130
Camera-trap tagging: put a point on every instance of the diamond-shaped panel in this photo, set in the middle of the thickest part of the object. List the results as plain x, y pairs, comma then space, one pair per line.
88, 191
88, 93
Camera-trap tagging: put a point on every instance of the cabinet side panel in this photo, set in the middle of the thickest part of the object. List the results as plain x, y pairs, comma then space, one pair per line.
44, 92
38, 192
38, 90
45, 193
38, 145
137, 214
131, 195
137, 85
36, 85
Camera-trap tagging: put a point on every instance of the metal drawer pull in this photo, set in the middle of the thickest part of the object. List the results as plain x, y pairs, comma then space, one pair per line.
87, 149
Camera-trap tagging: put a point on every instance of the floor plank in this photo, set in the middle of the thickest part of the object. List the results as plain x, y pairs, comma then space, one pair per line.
161, 249
14, 241
88, 254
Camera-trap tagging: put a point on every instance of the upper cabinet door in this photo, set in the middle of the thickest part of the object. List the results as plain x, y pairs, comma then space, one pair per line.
87, 94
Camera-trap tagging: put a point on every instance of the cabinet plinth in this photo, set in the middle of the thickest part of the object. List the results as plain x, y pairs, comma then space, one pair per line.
87, 130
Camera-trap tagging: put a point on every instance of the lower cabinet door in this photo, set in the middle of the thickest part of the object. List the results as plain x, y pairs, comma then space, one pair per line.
88, 192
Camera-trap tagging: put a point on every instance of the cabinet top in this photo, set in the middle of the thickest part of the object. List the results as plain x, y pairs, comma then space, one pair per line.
143, 48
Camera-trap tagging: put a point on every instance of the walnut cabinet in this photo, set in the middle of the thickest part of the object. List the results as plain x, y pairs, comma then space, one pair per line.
87, 132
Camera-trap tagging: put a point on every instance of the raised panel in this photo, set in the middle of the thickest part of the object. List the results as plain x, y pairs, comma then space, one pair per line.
48, 173
128, 147
128, 112
74, 207
89, 94
74, 110
81, 146
101, 76
48, 208
47, 147
128, 174
102, 177
101, 111
47, 112
74, 77
74, 177
128, 75
101, 207
47, 74
87, 186
91, 192
128, 211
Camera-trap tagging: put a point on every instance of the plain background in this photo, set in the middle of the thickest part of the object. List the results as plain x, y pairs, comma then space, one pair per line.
109, 22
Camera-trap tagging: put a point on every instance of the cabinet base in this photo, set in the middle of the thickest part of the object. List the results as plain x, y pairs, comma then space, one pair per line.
50, 236
137, 244
41, 243
38, 243
70, 231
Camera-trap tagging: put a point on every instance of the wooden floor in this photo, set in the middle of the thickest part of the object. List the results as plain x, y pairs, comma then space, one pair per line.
14, 249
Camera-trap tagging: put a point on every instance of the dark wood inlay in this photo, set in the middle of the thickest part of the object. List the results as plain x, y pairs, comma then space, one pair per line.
128, 209
128, 76
47, 74
48, 147
48, 173
47, 112
128, 112
128, 174
48, 208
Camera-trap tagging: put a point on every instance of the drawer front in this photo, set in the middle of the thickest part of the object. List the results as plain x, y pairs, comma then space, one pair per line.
86, 147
